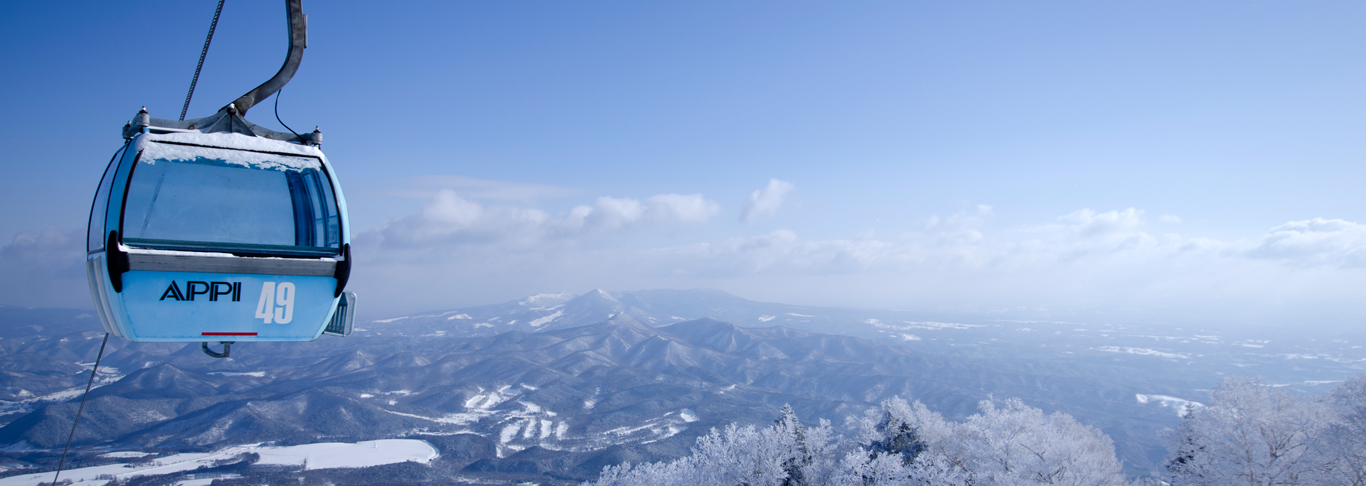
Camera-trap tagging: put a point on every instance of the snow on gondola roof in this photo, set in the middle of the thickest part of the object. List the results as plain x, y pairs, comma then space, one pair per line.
242, 150
234, 141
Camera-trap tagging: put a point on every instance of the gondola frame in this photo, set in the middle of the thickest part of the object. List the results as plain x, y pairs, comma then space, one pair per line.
122, 280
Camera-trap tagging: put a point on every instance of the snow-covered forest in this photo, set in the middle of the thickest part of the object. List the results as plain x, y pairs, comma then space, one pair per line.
1256, 434
1251, 433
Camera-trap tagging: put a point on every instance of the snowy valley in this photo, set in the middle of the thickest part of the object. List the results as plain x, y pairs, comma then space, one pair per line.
552, 388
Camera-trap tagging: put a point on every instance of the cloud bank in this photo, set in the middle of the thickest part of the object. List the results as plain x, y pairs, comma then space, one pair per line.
44, 268
1118, 262
766, 201
448, 219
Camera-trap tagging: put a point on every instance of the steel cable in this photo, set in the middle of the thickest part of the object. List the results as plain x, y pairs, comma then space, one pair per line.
202, 54
94, 370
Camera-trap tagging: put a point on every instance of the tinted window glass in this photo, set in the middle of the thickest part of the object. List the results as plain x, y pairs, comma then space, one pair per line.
95, 234
201, 198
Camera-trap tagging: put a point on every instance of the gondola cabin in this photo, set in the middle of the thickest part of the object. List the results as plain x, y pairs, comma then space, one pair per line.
225, 236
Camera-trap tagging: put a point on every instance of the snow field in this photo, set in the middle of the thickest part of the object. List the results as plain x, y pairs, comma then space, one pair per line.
326, 455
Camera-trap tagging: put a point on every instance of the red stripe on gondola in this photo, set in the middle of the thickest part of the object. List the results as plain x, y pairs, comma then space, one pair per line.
228, 334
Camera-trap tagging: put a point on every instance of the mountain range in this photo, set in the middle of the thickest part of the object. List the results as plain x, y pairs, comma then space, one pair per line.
551, 388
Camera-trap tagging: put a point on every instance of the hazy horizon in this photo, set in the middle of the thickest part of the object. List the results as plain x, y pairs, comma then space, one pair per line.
1167, 163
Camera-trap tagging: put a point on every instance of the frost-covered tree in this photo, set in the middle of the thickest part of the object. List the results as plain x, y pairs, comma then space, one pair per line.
741, 456
783, 454
826, 447
1018, 444
1346, 436
1007, 445
792, 437
899, 444
896, 432
1253, 434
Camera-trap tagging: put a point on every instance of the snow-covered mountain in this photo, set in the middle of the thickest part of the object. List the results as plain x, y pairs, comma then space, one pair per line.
606, 377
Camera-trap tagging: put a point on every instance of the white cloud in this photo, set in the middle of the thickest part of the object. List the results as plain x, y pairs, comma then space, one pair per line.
610, 213
45, 268
447, 218
766, 201
1315, 241
1105, 261
680, 208
1086, 233
480, 189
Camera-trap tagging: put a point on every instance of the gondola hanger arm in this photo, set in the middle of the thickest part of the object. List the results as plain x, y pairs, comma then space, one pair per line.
298, 40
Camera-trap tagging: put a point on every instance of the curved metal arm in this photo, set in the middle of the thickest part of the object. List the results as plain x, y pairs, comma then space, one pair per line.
298, 40
227, 349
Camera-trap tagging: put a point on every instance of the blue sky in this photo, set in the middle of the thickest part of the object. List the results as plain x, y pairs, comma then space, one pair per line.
1166, 161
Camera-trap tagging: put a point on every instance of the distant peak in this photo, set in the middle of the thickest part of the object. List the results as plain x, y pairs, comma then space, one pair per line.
546, 300
598, 294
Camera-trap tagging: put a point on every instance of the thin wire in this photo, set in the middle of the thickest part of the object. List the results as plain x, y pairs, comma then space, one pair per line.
277, 115
202, 54
82, 408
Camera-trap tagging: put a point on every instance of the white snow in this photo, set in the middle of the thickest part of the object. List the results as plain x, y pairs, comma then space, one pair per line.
459, 316
392, 319
234, 140
509, 432
687, 415
70, 393
1168, 402
206, 481
1142, 352
626, 430
910, 337
125, 454
547, 427
315, 456
484, 400
328, 455
798, 315
767, 318
450, 418
258, 374
154, 152
927, 325
545, 320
